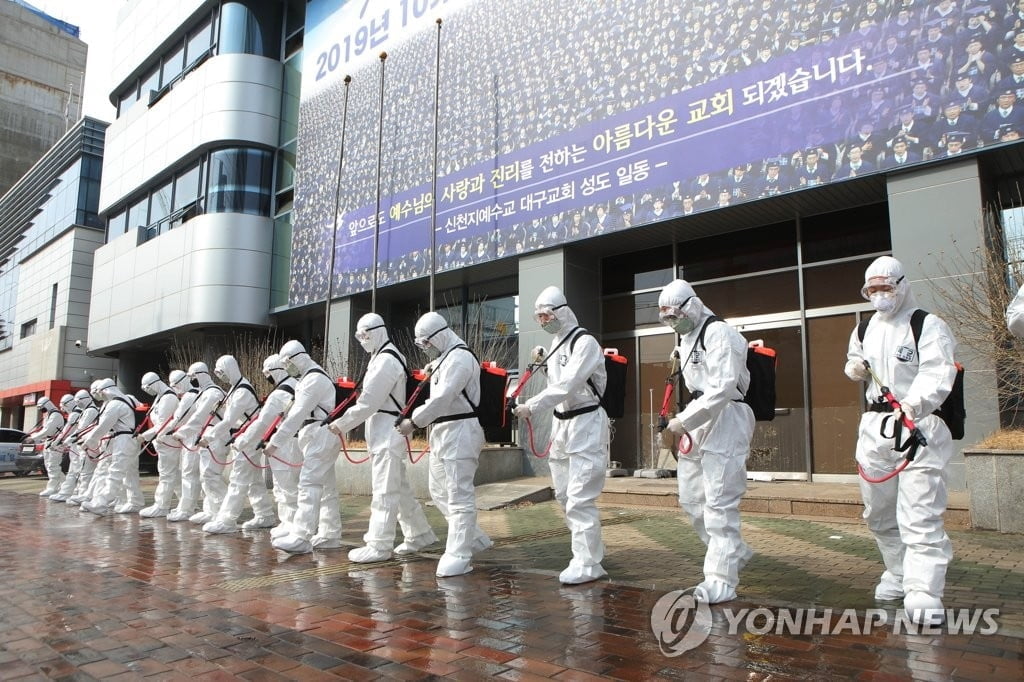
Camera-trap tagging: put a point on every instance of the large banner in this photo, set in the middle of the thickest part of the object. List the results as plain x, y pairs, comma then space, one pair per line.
561, 120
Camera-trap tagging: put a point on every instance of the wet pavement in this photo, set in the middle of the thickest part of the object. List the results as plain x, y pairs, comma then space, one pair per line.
123, 598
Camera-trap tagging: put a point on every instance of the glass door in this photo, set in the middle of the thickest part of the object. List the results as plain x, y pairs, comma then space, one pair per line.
780, 446
837, 401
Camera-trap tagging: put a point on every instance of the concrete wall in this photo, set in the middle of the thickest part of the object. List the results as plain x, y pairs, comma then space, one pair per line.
935, 217
214, 269
40, 65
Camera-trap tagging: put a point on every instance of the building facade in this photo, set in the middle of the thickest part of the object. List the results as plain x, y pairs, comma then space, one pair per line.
465, 164
49, 230
42, 68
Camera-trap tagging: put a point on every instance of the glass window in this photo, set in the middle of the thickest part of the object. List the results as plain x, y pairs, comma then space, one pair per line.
286, 167
624, 313
127, 99
834, 284
138, 214
28, 328
637, 270
240, 181
739, 253
290, 99
846, 233
173, 65
116, 225
199, 41
251, 27
775, 293
160, 203
150, 82
186, 187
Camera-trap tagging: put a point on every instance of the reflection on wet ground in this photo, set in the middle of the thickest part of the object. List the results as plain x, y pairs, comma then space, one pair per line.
121, 597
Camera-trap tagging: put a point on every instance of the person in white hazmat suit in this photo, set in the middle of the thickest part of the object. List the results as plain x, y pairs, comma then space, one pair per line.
905, 512
62, 442
579, 433
1015, 314
53, 422
98, 457
205, 414
286, 462
455, 439
115, 426
82, 466
713, 476
381, 397
168, 461
246, 478
317, 520
188, 460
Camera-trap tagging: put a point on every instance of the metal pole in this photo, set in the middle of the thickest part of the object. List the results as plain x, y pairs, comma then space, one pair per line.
376, 214
334, 229
433, 187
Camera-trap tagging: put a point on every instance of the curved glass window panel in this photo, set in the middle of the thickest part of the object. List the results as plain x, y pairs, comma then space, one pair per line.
186, 187
240, 181
127, 99
251, 27
116, 225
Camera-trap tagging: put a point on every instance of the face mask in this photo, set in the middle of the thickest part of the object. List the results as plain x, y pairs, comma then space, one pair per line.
884, 302
552, 326
290, 367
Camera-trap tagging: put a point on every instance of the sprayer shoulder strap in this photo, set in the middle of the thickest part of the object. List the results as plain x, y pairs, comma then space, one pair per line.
405, 371
577, 334
916, 325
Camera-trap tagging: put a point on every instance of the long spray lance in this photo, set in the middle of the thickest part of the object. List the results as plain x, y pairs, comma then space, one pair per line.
670, 385
915, 439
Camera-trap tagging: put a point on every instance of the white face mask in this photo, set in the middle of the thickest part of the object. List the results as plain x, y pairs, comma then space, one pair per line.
290, 367
884, 301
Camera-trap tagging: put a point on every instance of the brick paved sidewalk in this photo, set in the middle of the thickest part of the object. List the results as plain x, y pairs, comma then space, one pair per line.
125, 598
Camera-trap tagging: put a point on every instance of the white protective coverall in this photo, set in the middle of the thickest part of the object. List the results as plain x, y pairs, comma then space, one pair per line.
905, 512
317, 519
246, 479
287, 461
98, 457
115, 425
168, 462
713, 476
53, 424
206, 414
82, 466
1015, 314
62, 442
381, 397
455, 440
579, 432
191, 488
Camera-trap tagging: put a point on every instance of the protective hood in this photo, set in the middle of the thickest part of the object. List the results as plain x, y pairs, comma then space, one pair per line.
152, 384
227, 370
680, 307
433, 333
83, 399
273, 370
67, 402
371, 332
99, 387
294, 353
179, 381
887, 271
199, 373
552, 301
46, 405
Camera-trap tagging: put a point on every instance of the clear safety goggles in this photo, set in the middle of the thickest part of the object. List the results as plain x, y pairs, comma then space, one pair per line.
545, 314
880, 284
423, 342
669, 311
363, 335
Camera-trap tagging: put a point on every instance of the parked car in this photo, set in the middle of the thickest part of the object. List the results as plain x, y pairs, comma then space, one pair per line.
30, 458
10, 453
